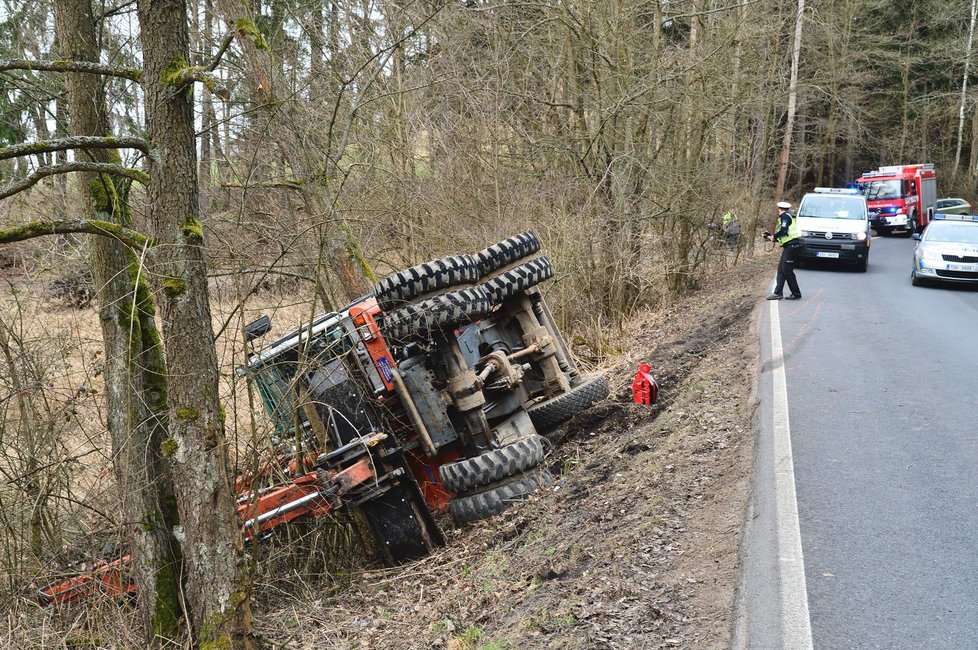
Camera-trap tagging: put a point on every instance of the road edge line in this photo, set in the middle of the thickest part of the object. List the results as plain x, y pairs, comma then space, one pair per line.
796, 628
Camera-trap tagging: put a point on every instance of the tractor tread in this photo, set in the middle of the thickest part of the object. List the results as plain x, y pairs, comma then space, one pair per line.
507, 251
399, 289
485, 504
425, 318
492, 466
547, 415
519, 279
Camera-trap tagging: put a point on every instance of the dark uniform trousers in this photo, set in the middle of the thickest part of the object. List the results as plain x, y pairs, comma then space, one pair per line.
786, 269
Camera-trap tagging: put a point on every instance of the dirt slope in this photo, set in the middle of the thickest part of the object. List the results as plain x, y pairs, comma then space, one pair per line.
636, 546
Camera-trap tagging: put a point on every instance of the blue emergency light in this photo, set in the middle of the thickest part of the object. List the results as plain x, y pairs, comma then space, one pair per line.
955, 217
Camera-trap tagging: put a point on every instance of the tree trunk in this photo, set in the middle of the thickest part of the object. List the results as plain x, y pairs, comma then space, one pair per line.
792, 103
217, 585
135, 378
964, 85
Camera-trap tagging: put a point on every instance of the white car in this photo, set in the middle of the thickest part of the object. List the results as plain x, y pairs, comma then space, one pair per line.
947, 251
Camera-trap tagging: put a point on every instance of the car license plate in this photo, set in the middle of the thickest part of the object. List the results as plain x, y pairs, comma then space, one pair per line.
827, 254
958, 267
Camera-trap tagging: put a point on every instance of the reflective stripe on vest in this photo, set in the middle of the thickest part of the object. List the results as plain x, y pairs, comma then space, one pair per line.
794, 232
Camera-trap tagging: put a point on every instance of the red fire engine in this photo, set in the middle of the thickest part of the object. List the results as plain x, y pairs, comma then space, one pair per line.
900, 197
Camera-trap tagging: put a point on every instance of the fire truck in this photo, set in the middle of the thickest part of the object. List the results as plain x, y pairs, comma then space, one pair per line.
900, 197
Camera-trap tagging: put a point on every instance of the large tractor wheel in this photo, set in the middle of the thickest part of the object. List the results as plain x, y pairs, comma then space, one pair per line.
496, 497
518, 279
444, 311
547, 415
507, 251
398, 289
492, 466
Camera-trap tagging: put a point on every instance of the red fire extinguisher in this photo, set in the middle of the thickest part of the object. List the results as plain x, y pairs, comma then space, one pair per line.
645, 389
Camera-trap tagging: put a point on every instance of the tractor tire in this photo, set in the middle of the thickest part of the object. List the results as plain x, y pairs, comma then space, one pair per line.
547, 415
492, 466
398, 289
507, 251
519, 279
496, 497
423, 319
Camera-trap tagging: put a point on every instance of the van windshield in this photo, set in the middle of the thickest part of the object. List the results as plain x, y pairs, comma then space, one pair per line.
832, 207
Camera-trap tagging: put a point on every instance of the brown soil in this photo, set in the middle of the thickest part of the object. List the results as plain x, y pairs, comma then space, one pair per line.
636, 545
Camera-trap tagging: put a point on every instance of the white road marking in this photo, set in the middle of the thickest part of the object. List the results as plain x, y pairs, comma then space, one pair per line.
796, 627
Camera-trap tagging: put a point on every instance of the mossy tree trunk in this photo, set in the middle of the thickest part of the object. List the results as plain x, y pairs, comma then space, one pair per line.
217, 590
135, 376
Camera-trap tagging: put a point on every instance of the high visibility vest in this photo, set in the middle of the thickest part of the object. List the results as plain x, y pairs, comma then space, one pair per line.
726, 218
794, 232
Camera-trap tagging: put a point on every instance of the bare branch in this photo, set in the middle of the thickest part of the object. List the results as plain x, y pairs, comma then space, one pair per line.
76, 166
74, 142
131, 74
34, 229
225, 44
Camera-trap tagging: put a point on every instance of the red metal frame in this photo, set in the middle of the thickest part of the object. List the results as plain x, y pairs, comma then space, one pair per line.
425, 471
315, 494
107, 578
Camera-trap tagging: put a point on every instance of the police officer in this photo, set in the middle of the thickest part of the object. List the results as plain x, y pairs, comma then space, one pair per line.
788, 235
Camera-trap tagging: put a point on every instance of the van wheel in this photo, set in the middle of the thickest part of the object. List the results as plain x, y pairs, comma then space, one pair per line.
862, 264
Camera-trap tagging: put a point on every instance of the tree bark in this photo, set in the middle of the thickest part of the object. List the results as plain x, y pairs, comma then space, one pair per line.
217, 591
135, 378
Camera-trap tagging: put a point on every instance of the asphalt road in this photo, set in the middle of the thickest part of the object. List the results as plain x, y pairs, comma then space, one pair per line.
881, 390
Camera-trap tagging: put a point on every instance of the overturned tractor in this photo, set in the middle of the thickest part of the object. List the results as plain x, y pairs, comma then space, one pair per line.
428, 395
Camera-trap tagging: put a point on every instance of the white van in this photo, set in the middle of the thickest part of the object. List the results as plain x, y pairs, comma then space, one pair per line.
834, 225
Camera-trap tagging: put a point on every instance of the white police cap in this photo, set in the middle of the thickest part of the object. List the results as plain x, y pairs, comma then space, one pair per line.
784, 205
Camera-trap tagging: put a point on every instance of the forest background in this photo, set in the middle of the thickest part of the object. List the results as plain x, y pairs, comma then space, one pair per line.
337, 141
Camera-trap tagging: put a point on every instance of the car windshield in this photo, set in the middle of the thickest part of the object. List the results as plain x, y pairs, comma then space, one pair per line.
832, 207
951, 233
878, 190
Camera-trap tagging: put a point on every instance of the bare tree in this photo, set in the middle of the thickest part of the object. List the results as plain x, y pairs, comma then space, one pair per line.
135, 375
964, 87
217, 588
792, 102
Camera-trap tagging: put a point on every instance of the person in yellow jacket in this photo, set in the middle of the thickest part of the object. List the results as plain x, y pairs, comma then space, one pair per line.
730, 225
788, 235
